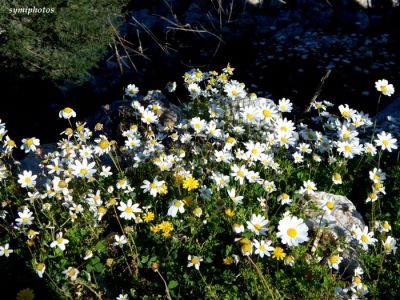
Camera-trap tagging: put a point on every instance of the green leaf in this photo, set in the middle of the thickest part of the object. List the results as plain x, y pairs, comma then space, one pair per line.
100, 247
173, 284
145, 259
99, 268
94, 260
89, 268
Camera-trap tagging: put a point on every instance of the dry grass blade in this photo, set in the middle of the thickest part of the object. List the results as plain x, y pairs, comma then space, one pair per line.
151, 34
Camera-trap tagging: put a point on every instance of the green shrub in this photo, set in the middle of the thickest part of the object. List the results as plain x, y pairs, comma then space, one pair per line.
63, 44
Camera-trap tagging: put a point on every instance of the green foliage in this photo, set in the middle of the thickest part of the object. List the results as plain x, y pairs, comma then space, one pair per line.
60, 45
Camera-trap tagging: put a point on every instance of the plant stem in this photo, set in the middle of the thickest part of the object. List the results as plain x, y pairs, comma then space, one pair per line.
265, 283
166, 285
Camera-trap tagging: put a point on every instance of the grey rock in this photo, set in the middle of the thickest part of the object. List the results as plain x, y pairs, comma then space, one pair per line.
343, 217
32, 161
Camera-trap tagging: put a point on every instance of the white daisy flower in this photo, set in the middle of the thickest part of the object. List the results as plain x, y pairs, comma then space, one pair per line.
262, 248
5, 250
198, 124
30, 144
67, 113
60, 242
386, 141
25, 218
257, 224
238, 228
337, 178
292, 231
239, 173
364, 237
234, 90
284, 199
334, 261
71, 273
389, 245
27, 179
120, 240
175, 207
384, 87
285, 105
83, 169
194, 90
131, 90
128, 210
148, 117
102, 146
194, 261
39, 269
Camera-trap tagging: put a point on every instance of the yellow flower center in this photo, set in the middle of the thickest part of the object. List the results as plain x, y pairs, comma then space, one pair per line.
40, 266
178, 203
346, 114
292, 232
67, 110
153, 185
386, 225
388, 246
62, 184
25, 220
59, 240
330, 205
71, 272
104, 144
250, 116
267, 113
284, 196
347, 148
262, 248
334, 259
240, 173
385, 142
230, 140
128, 210
28, 180
83, 171
384, 89
197, 211
195, 260
377, 186
257, 226
364, 238
357, 280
